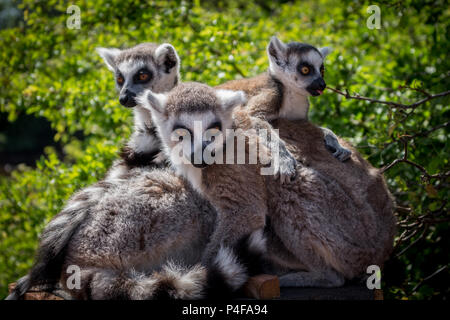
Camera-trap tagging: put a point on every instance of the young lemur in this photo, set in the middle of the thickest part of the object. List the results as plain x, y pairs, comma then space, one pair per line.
327, 226
226, 186
296, 71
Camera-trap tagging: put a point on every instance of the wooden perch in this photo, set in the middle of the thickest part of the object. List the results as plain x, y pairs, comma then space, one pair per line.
263, 287
33, 294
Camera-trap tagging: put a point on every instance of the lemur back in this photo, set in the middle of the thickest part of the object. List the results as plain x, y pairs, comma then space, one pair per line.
328, 225
263, 85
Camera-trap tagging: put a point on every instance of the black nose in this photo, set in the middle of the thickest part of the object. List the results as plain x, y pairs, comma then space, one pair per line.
128, 99
123, 99
199, 161
318, 84
321, 83
316, 87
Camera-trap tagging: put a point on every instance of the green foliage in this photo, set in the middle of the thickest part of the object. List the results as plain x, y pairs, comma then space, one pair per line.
52, 71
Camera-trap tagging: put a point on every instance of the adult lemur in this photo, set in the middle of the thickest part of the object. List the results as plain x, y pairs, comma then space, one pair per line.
140, 232
328, 225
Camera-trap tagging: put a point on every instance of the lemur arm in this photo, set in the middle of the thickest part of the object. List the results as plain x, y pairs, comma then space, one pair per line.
262, 108
333, 145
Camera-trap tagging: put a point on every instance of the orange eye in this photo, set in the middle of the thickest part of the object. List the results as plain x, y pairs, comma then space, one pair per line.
214, 131
181, 132
304, 70
143, 77
119, 80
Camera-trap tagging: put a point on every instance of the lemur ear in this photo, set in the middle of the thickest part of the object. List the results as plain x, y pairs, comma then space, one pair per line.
155, 102
231, 99
109, 55
166, 55
276, 50
325, 51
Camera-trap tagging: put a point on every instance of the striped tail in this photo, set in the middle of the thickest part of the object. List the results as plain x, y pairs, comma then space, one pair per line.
228, 272
49, 260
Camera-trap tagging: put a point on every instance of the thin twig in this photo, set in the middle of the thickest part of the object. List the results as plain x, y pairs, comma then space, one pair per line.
421, 90
390, 103
404, 159
412, 243
429, 277
427, 132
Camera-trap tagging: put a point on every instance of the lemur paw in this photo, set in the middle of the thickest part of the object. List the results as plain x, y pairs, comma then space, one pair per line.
287, 170
339, 152
342, 154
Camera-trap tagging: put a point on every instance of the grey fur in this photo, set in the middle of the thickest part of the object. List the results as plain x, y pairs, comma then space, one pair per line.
332, 143
330, 224
136, 229
135, 237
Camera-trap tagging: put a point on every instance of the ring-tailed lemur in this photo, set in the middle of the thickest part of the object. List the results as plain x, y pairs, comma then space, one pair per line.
108, 217
296, 71
329, 225
145, 66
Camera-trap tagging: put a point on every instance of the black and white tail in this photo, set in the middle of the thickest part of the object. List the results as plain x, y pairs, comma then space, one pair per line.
49, 260
232, 267
227, 273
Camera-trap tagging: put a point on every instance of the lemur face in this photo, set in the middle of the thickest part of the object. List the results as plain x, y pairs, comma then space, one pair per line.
192, 120
298, 66
145, 66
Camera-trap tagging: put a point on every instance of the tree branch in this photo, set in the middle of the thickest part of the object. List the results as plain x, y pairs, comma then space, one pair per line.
390, 103
429, 277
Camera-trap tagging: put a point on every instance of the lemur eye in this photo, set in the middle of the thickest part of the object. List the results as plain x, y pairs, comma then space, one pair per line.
181, 132
304, 70
142, 76
215, 128
119, 80
322, 71
214, 131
